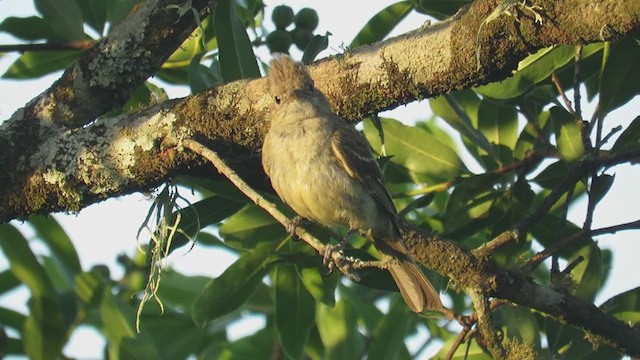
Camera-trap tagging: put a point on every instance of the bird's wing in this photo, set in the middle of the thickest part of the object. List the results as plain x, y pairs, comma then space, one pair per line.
353, 154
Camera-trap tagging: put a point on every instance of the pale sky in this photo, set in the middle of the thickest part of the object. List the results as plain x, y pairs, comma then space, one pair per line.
102, 231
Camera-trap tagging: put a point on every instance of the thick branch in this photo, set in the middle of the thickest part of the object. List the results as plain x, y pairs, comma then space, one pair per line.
473, 274
441, 58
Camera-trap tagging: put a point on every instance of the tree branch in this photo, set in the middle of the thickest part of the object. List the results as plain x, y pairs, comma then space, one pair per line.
472, 275
361, 82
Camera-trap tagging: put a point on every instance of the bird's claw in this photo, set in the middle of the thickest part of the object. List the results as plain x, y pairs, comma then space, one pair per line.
293, 225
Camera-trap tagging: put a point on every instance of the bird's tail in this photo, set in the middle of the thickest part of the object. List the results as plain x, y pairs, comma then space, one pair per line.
415, 288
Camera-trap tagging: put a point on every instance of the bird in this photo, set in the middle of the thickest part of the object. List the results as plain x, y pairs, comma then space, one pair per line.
322, 167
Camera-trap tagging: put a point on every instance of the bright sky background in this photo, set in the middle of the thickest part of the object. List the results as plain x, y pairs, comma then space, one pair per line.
102, 231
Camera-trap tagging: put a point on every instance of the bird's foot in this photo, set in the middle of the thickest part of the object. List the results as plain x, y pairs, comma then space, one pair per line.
329, 249
293, 225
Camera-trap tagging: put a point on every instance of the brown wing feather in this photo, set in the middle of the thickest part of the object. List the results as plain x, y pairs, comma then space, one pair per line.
352, 150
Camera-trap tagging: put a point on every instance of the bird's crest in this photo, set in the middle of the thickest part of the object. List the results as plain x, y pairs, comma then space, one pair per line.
286, 75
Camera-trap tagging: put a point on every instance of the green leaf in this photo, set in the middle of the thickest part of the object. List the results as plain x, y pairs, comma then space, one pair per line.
319, 284
137, 349
550, 227
588, 274
295, 311
36, 64
249, 227
237, 60
184, 55
94, 13
200, 215
8, 281
552, 175
174, 335
49, 231
568, 134
439, 9
88, 288
64, 17
624, 307
338, 327
230, 290
519, 323
499, 124
11, 318
382, 23
425, 156
532, 70
119, 10
118, 318
201, 77
180, 290
629, 139
460, 110
620, 78
28, 28
388, 338
44, 331
600, 186
23, 262
531, 136
316, 45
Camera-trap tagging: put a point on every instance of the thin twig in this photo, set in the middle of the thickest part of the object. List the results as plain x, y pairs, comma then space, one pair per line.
576, 82
569, 240
496, 243
343, 264
573, 264
71, 45
556, 81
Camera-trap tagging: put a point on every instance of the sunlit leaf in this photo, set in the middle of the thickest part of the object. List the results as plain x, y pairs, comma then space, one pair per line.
460, 110
249, 227
568, 134
388, 339
49, 231
421, 153
63, 16
23, 262
35, 64
27, 28
295, 311
620, 78
519, 323
237, 60
319, 284
588, 274
624, 306
629, 139
499, 124
532, 70
231, 289
440, 9
94, 13
338, 328
44, 329
382, 23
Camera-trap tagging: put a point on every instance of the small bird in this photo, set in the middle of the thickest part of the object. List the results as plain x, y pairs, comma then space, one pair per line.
323, 168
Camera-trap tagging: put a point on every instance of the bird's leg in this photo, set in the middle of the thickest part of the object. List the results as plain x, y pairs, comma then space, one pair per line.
293, 225
329, 249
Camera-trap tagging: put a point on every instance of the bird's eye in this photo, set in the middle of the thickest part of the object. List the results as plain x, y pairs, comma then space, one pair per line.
311, 87
278, 100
